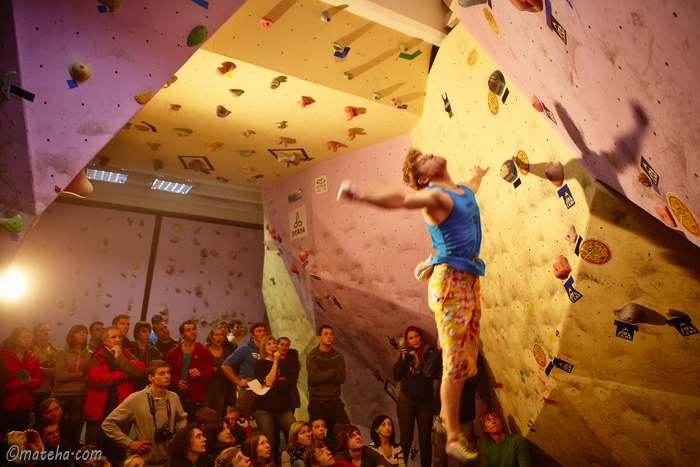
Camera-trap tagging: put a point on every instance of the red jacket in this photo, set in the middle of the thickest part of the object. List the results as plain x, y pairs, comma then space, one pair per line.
20, 397
202, 360
100, 379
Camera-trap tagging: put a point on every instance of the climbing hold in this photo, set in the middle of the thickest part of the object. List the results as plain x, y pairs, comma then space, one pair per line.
644, 180
143, 97
397, 102
537, 104
174, 107
305, 100
246, 152
333, 145
274, 83
571, 235
509, 171
183, 131
285, 141
226, 67
665, 215
376, 96
491, 21
294, 269
497, 82
12, 224
493, 102
337, 47
142, 127
288, 158
350, 134
170, 81
675, 313
281, 125
197, 36
266, 23
246, 134
154, 146
303, 256
632, 312
158, 164
112, 5
523, 163
683, 214
350, 113
236, 92
325, 16
561, 268
80, 71
80, 186
404, 47
471, 59
222, 112
347, 75
213, 146
246, 169
555, 173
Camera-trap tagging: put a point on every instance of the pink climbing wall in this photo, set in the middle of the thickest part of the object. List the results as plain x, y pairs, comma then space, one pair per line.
84, 264
135, 49
621, 88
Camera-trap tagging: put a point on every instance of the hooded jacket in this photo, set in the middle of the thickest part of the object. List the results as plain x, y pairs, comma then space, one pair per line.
76, 361
201, 360
20, 397
101, 379
326, 372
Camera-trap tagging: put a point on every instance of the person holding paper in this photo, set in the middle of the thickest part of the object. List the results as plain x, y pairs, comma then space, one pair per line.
274, 408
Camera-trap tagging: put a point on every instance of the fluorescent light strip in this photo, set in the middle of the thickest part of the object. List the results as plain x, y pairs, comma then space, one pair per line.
171, 187
112, 177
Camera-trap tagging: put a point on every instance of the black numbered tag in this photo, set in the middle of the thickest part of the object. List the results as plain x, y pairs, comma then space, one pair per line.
559, 29
683, 325
573, 294
625, 330
653, 175
565, 193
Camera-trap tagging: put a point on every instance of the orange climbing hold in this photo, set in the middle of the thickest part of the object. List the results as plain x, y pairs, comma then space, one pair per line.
350, 113
305, 100
561, 268
333, 146
226, 67
266, 23
143, 97
350, 134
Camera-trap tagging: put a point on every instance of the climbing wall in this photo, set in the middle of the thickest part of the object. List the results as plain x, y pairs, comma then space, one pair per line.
84, 264
584, 384
619, 79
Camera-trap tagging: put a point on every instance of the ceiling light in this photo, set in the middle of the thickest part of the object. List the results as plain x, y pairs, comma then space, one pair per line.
112, 177
171, 187
12, 284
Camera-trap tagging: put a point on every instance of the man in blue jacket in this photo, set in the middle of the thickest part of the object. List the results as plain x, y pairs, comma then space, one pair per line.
245, 356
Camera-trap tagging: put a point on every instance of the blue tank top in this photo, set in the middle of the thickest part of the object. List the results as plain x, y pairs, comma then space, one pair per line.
458, 238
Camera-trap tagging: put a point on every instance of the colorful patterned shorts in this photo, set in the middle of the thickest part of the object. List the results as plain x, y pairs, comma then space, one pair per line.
453, 295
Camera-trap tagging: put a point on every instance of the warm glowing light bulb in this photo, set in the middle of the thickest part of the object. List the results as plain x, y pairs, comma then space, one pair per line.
12, 284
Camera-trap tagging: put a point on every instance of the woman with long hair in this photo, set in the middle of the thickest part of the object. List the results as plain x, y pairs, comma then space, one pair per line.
216, 388
352, 449
416, 395
299, 438
49, 411
274, 408
24, 377
219, 437
46, 352
71, 381
384, 442
232, 457
257, 448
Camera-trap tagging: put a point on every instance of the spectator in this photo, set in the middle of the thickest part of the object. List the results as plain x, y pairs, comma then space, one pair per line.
144, 351
215, 393
164, 343
20, 441
318, 455
24, 375
204, 416
156, 414
71, 384
96, 329
134, 460
274, 408
501, 449
227, 344
91, 456
46, 352
232, 457
188, 448
326, 370
257, 448
4, 379
155, 319
351, 449
49, 411
416, 395
298, 439
318, 429
191, 368
239, 427
245, 357
219, 437
292, 356
53, 441
123, 322
236, 327
111, 374
384, 442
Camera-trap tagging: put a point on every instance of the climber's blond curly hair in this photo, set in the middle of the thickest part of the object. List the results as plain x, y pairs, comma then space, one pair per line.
410, 169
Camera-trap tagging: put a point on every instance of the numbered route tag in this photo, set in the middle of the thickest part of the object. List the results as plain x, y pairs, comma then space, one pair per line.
573, 294
683, 325
565, 193
625, 330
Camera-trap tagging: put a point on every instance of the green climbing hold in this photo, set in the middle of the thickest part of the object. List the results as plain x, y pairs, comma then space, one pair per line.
158, 164
12, 224
197, 36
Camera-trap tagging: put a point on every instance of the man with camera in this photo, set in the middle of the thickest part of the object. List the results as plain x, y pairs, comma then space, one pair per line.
156, 412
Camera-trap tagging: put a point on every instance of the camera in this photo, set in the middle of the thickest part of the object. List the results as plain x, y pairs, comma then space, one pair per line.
163, 434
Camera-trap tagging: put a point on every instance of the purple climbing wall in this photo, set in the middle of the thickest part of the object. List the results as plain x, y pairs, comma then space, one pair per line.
621, 87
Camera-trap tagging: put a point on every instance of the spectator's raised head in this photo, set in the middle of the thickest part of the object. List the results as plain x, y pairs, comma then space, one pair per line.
133, 461
325, 335
257, 447
299, 435
96, 329
142, 331
50, 410
188, 330
50, 434
232, 457
349, 438
111, 337
189, 440
283, 344
491, 423
267, 346
123, 322
204, 416
158, 373
77, 337
258, 331
318, 455
382, 427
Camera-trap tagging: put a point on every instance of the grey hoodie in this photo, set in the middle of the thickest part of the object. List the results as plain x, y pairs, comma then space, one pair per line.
136, 408
68, 358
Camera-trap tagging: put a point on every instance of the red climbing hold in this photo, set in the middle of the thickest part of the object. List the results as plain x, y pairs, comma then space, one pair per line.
266, 23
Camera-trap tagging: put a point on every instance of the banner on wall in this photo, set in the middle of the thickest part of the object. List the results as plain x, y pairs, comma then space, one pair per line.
297, 222
321, 185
